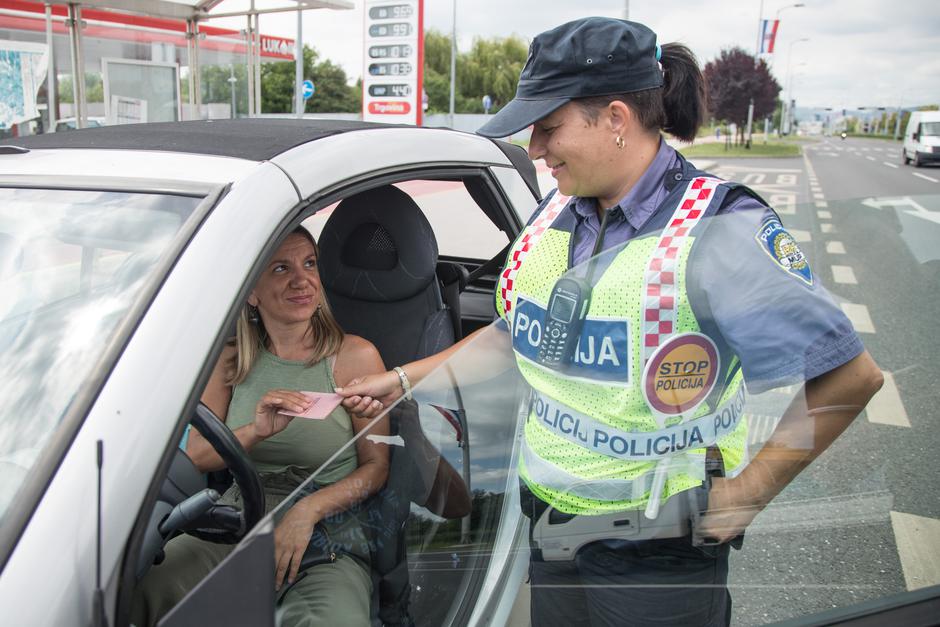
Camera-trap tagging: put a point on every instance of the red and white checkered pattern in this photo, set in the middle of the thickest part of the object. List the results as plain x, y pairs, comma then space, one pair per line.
530, 237
659, 283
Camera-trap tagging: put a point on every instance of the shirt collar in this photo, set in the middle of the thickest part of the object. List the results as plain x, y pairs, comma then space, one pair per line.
642, 200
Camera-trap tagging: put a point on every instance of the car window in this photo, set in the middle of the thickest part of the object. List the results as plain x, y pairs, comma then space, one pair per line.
460, 226
72, 264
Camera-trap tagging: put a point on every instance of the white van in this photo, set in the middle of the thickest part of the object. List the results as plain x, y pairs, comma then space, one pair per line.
922, 138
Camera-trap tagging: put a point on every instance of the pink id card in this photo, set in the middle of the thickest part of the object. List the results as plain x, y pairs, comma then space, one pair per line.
321, 404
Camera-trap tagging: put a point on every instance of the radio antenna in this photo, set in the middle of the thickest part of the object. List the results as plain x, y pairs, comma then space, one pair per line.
99, 616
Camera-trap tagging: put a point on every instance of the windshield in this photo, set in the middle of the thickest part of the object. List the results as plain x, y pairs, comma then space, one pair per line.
72, 264
931, 129
734, 394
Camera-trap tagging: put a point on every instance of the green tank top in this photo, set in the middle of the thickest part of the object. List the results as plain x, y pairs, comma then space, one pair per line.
305, 444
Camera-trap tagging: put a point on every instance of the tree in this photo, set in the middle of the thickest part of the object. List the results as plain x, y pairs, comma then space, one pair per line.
733, 80
94, 88
333, 94
491, 67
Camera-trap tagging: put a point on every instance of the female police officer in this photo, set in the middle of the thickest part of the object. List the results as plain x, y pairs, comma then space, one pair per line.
658, 290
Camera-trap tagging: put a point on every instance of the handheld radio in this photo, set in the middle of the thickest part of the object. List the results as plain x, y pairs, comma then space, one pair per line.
567, 308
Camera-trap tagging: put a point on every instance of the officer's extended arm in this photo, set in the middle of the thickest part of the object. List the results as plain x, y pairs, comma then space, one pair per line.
831, 402
490, 356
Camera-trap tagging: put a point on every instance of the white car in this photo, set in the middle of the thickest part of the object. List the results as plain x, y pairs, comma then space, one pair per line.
125, 253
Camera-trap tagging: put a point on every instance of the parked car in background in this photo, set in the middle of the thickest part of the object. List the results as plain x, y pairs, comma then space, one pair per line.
70, 124
922, 138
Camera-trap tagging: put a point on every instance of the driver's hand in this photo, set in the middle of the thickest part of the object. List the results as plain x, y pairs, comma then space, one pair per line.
384, 387
290, 541
268, 417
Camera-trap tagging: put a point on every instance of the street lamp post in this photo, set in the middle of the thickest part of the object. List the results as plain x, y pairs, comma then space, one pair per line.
788, 104
453, 63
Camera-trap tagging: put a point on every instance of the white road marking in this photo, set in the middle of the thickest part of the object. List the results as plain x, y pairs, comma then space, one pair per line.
890, 165
818, 196
822, 203
742, 168
844, 275
925, 177
885, 407
753, 179
918, 542
824, 215
870, 158
826, 227
835, 248
800, 236
783, 203
859, 317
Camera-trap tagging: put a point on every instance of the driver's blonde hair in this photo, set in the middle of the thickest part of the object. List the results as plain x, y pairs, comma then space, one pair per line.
251, 337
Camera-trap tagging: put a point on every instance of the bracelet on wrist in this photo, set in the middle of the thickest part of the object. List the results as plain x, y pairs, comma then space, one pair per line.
405, 383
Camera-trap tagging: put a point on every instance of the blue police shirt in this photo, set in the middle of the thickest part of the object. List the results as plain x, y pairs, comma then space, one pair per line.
782, 324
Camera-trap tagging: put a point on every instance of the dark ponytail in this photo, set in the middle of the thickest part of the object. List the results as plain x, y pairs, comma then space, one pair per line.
678, 107
684, 92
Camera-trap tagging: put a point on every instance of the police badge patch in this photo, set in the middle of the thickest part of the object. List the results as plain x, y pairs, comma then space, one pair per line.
783, 249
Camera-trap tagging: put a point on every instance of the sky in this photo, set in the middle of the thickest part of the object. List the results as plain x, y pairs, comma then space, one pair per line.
858, 53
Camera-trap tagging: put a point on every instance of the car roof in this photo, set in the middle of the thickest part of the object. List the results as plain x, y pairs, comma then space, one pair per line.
254, 139
248, 139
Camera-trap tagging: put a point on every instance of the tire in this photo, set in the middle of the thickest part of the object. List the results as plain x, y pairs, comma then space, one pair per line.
917, 160
904, 157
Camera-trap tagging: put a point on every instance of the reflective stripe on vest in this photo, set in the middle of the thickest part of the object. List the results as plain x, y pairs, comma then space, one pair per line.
644, 446
659, 282
530, 237
551, 476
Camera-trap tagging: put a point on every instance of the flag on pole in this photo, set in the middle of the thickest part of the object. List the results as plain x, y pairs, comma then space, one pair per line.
768, 35
453, 417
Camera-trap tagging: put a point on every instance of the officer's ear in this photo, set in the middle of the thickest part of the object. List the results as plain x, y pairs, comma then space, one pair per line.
620, 118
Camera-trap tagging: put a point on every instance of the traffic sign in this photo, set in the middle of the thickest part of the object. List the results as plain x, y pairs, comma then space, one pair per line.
307, 89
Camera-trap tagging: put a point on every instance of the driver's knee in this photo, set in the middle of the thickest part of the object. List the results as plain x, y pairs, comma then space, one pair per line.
188, 560
337, 594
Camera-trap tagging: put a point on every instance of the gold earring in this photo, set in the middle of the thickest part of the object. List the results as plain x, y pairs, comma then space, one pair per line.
619, 142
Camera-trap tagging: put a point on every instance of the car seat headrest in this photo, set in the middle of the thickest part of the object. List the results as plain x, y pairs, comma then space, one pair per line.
377, 246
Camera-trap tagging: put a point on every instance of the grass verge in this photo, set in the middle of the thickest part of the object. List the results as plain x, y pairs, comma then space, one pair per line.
758, 149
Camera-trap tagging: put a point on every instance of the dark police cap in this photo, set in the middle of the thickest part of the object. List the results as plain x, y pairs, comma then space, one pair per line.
594, 56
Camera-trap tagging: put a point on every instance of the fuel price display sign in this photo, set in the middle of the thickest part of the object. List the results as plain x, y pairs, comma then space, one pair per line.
392, 77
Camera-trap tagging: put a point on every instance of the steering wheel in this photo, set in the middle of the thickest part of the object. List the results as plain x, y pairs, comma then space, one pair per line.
228, 524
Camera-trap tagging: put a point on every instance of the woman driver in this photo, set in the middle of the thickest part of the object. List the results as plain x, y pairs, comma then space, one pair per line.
670, 281
288, 341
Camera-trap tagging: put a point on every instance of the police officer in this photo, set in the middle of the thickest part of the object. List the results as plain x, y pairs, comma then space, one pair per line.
644, 301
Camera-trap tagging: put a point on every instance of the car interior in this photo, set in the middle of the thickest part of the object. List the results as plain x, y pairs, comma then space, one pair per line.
388, 281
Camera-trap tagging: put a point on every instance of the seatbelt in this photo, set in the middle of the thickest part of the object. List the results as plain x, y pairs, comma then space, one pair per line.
490, 266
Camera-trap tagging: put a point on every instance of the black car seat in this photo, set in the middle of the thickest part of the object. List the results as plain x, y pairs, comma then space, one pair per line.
378, 262
379, 269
